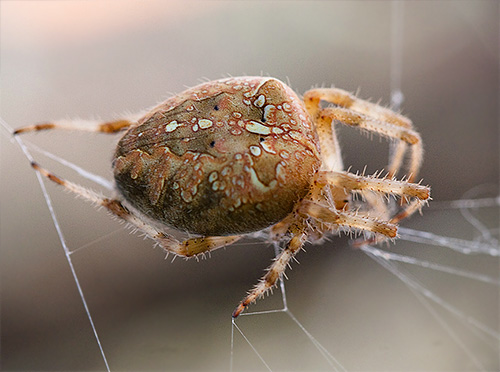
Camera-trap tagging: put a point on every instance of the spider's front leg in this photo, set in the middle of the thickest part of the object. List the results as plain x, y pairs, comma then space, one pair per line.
277, 268
356, 112
406, 190
187, 248
351, 182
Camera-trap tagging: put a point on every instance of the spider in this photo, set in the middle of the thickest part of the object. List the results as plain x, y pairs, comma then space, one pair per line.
236, 156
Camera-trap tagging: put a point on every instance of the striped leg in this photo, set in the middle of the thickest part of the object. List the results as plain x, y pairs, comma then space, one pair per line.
356, 112
329, 144
351, 181
277, 268
348, 181
410, 209
348, 220
325, 215
187, 248
80, 125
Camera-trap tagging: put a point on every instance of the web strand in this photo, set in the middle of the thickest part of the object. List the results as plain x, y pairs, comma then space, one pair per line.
332, 361
233, 323
329, 358
82, 172
433, 266
397, 29
423, 292
62, 241
458, 245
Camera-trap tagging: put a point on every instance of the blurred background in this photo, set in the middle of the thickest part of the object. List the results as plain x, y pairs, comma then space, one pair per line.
100, 59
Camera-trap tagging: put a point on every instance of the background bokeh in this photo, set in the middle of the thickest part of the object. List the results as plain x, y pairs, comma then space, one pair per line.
103, 58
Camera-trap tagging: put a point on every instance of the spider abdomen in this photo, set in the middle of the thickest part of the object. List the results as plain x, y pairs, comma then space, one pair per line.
226, 157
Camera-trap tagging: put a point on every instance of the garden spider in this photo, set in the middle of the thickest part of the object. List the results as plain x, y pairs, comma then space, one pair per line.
235, 156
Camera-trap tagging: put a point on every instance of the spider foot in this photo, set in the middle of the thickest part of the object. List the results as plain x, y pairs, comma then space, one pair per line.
239, 309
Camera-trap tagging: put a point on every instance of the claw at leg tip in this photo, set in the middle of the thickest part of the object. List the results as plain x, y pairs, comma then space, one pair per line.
238, 311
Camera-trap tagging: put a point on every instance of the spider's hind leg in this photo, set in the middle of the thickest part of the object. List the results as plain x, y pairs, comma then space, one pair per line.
187, 248
80, 125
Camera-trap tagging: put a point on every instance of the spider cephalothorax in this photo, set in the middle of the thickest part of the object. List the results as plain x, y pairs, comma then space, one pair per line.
235, 156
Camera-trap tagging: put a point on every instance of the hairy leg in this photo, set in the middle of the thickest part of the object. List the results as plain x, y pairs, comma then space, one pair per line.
187, 248
348, 220
406, 190
277, 268
80, 125
351, 181
369, 116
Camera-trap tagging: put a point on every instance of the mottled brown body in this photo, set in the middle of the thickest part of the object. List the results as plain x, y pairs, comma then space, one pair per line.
223, 158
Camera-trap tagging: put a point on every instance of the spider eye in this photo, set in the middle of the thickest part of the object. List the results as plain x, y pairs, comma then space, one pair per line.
262, 139
216, 108
212, 144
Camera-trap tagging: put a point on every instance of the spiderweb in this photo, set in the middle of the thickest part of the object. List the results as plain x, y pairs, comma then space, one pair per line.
452, 249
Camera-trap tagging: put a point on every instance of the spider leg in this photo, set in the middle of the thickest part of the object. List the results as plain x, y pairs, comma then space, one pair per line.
299, 235
348, 219
187, 248
378, 207
411, 208
345, 99
80, 125
351, 182
329, 144
356, 112
276, 269
409, 136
